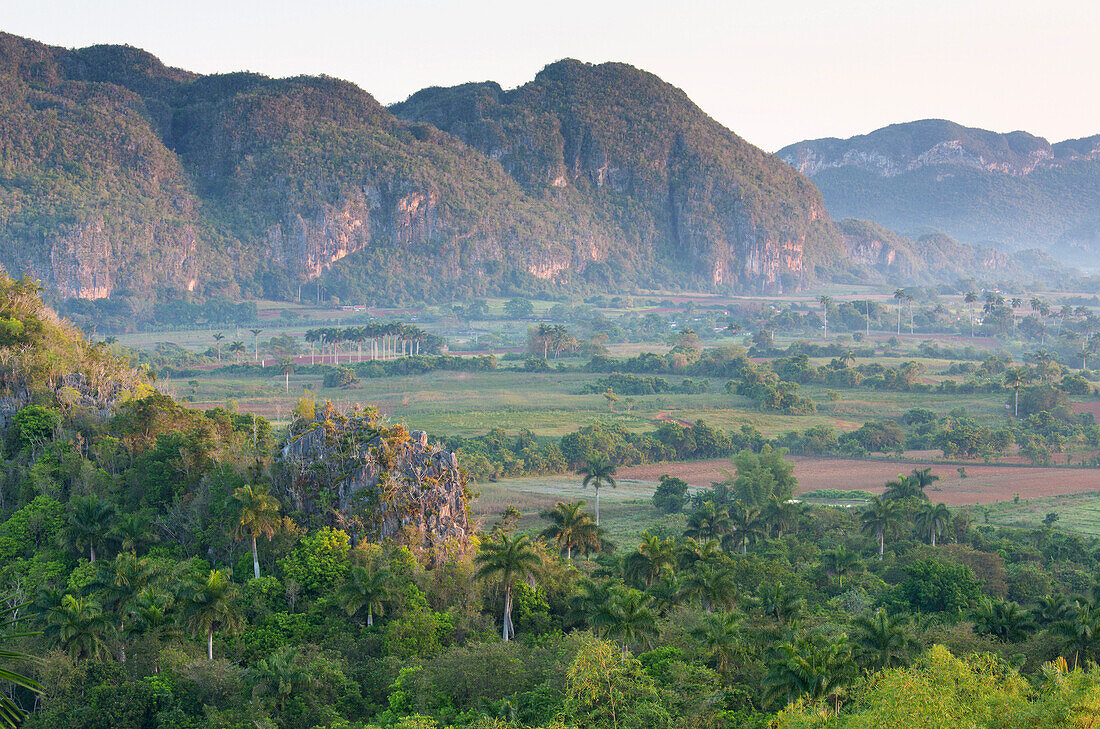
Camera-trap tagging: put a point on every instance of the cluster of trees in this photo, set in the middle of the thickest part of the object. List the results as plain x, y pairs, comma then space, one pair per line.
635, 385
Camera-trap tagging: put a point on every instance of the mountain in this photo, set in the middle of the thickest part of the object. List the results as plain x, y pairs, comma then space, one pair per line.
887, 256
122, 177
1012, 190
674, 185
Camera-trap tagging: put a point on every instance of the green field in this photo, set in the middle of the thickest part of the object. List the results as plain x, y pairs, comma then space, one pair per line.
550, 403
1076, 513
625, 511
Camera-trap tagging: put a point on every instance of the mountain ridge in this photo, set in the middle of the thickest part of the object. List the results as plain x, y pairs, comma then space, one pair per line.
1014, 190
122, 177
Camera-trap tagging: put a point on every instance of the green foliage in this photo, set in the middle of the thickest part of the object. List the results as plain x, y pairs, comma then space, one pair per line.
933, 586
670, 496
319, 562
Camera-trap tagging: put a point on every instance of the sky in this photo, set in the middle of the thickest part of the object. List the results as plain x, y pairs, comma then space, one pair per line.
774, 71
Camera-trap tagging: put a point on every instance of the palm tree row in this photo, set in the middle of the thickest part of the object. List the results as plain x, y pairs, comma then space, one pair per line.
387, 340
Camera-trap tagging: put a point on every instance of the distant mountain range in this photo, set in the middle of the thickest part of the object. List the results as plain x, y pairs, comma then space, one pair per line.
121, 177
1011, 190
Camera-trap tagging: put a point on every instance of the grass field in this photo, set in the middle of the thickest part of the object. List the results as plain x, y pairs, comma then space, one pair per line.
550, 403
1076, 512
625, 511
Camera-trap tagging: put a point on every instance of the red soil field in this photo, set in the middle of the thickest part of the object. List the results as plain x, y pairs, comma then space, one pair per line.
984, 484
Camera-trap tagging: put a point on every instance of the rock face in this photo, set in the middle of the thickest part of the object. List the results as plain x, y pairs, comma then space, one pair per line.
379, 483
680, 187
1016, 190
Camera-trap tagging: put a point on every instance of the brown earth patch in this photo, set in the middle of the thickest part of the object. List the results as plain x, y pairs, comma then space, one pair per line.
984, 483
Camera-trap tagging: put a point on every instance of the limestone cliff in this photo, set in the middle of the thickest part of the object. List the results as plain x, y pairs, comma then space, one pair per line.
379, 483
685, 193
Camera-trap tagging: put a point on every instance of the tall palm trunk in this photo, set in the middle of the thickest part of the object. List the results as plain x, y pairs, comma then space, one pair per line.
597, 507
210, 643
506, 631
370, 615
255, 558
91, 553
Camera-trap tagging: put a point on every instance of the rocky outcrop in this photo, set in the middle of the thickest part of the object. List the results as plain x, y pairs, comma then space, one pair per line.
381, 484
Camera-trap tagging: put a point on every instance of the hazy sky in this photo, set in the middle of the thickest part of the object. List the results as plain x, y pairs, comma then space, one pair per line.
774, 71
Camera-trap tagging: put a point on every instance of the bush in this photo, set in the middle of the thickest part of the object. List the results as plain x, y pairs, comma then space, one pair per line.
671, 495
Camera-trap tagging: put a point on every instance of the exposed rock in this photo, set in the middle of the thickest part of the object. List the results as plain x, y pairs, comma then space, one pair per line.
378, 483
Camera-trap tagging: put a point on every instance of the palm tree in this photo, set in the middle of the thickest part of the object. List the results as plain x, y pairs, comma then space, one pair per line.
1015, 378
932, 521
709, 522
1002, 619
133, 531
816, 667
746, 525
899, 296
311, 337
509, 559
286, 367
711, 586
236, 348
825, 301
883, 641
279, 675
150, 617
571, 528
119, 584
365, 589
259, 514
904, 487
776, 601
923, 477
970, 298
218, 337
627, 617
653, 558
880, 516
599, 472
79, 627
213, 606
781, 515
909, 301
256, 343
11, 714
717, 636
89, 523
690, 553
1080, 633
1054, 608
839, 562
